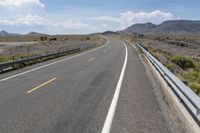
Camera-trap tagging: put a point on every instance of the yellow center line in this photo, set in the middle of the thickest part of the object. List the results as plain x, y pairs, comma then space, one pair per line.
91, 59
41, 85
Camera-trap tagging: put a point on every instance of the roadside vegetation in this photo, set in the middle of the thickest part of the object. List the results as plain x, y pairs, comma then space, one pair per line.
183, 66
19, 47
5, 58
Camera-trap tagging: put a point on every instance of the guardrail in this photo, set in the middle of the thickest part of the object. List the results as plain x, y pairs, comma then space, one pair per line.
14, 63
189, 99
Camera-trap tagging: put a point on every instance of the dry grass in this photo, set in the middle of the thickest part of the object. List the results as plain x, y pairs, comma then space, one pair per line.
180, 53
25, 46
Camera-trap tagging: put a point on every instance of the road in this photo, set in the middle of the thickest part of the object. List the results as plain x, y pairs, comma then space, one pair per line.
74, 95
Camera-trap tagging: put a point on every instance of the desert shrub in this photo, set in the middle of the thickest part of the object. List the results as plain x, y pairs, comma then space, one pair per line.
157, 38
155, 55
170, 67
195, 87
5, 58
53, 39
153, 52
182, 62
197, 67
192, 76
88, 38
167, 55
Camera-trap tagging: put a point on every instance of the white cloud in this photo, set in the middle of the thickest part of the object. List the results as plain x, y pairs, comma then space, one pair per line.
128, 18
85, 25
105, 18
70, 24
157, 16
20, 3
29, 19
35, 20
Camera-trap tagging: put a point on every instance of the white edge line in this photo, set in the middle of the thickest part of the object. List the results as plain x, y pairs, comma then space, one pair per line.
14, 76
108, 122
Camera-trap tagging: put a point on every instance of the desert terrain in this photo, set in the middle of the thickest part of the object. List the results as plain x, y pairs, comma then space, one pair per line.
180, 53
15, 47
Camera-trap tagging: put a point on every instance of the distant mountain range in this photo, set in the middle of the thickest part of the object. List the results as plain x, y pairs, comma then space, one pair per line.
109, 32
35, 34
170, 26
5, 33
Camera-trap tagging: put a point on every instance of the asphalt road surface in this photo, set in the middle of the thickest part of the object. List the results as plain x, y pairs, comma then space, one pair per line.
74, 95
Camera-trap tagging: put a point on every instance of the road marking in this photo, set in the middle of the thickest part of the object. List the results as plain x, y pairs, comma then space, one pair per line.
35, 88
91, 59
50, 64
111, 111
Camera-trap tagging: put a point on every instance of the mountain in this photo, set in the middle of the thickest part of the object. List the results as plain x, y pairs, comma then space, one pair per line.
32, 33
142, 28
170, 26
5, 33
109, 32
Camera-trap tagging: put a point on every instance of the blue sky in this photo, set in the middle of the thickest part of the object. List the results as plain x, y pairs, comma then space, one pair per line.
87, 16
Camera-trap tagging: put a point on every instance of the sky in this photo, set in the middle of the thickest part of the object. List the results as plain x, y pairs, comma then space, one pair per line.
89, 16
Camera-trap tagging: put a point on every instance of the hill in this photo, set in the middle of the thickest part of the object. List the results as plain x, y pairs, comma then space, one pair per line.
170, 26
32, 33
109, 32
5, 33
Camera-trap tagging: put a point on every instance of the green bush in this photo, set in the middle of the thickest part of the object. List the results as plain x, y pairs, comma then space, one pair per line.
5, 58
153, 52
182, 62
197, 67
88, 38
170, 67
195, 87
192, 76
157, 38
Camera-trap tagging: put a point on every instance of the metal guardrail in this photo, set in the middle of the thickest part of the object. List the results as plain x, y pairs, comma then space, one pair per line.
13, 63
183, 92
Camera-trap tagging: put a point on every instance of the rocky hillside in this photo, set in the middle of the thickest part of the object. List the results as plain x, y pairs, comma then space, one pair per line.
170, 26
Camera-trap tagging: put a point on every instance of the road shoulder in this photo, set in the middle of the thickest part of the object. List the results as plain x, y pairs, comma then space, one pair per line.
138, 109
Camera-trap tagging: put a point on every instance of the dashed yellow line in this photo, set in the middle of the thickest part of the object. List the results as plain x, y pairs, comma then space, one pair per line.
41, 85
91, 59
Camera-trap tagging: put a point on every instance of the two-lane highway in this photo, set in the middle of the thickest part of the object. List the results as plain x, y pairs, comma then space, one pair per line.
74, 95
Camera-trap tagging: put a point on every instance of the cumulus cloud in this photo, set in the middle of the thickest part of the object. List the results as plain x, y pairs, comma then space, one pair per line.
129, 17
105, 18
35, 20
70, 24
87, 25
29, 19
21, 3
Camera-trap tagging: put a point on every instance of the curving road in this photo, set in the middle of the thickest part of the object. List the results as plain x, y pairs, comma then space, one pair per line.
74, 95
